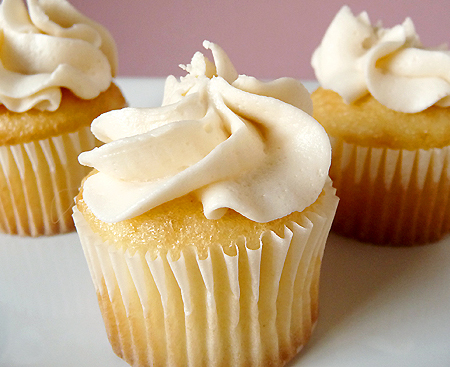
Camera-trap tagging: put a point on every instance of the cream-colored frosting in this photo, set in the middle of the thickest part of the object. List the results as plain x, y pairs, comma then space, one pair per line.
234, 141
356, 58
46, 45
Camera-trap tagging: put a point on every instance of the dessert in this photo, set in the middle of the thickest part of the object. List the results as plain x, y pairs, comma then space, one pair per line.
56, 69
384, 99
204, 220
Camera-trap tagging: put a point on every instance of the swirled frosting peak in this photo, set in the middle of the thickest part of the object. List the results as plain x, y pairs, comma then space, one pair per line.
356, 58
46, 45
232, 140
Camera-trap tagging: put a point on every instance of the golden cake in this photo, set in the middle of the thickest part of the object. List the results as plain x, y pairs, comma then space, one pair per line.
47, 103
384, 101
204, 221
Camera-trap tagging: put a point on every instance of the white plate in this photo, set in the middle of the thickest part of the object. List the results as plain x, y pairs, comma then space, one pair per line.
378, 306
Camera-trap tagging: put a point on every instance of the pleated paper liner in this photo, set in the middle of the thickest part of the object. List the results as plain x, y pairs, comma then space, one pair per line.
391, 197
248, 308
38, 181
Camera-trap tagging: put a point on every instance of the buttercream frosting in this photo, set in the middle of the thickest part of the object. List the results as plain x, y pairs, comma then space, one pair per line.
356, 58
46, 45
232, 140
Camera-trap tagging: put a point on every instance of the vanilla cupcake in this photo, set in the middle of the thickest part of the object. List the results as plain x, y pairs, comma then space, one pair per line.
384, 100
56, 69
205, 220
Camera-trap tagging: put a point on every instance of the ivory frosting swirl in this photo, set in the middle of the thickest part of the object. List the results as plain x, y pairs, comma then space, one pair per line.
235, 142
46, 45
356, 58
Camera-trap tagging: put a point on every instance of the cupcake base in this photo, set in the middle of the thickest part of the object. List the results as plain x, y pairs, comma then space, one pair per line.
245, 307
391, 197
38, 181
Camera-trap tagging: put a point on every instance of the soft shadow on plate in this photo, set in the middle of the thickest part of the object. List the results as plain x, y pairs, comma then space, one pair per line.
382, 306
379, 306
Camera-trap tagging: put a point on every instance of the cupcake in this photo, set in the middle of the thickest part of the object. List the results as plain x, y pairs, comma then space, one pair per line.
384, 99
56, 69
204, 220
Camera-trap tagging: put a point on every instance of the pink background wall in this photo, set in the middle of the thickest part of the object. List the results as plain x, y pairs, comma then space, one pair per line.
265, 38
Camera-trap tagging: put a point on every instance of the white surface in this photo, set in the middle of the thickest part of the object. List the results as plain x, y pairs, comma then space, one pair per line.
378, 306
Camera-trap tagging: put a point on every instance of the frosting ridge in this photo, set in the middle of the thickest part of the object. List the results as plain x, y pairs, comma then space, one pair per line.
46, 45
356, 58
236, 142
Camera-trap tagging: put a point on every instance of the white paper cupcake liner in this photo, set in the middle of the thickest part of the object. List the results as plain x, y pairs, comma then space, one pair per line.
387, 196
38, 182
255, 307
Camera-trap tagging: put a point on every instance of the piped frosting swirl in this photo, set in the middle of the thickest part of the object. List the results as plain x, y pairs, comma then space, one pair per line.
356, 58
232, 140
47, 45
